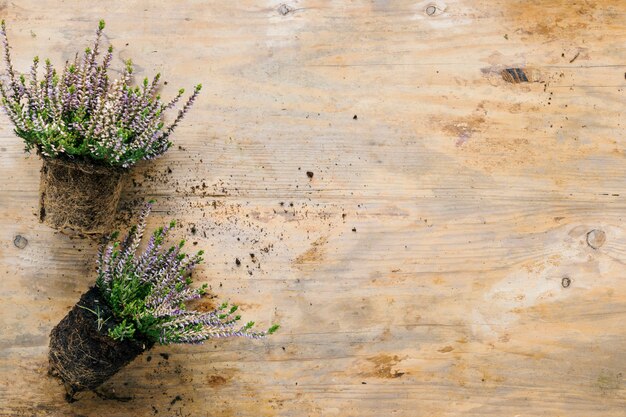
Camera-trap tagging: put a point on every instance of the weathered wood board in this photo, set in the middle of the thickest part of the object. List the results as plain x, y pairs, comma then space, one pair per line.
438, 263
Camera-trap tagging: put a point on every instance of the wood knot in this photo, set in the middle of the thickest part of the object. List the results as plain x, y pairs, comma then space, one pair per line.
283, 9
515, 75
434, 9
20, 242
596, 238
566, 282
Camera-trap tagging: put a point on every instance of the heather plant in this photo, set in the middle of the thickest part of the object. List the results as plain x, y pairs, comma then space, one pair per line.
83, 113
147, 292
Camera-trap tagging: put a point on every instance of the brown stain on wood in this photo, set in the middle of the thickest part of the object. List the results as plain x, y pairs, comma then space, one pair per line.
609, 381
314, 254
553, 20
384, 366
464, 128
510, 154
216, 381
208, 302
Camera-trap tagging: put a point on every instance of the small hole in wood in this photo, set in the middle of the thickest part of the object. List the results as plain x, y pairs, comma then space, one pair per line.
596, 238
20, 242
283, 9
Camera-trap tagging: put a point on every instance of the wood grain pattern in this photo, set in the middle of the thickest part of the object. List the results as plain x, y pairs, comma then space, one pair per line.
420, 272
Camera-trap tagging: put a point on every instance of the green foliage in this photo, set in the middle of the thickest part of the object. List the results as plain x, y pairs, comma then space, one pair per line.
100, 320
122, 331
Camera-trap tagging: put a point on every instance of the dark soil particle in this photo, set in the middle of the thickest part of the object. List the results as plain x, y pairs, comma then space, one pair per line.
165, 356
176, 399
237, 262
309, 174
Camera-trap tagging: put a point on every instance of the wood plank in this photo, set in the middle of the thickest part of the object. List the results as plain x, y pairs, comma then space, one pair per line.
422, 271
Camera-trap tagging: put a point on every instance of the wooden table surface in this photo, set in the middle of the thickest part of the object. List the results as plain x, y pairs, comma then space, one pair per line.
459, 249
